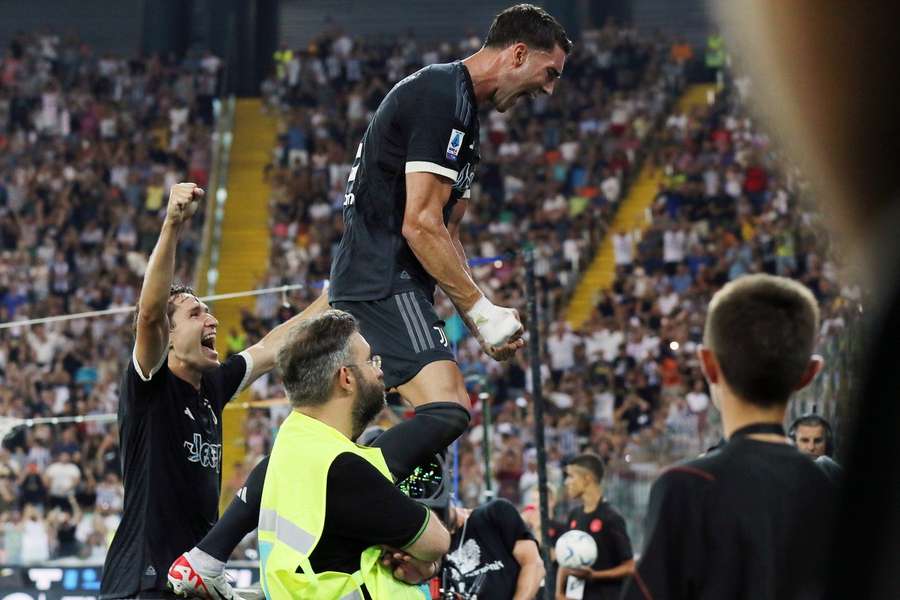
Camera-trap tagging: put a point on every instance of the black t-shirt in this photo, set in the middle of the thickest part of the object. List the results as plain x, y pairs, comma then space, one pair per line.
171, 441
483, 550
607, 527
554, 530
751, 520
362, 509
427, 123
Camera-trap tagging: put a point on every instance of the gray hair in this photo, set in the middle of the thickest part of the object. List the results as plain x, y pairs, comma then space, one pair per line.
314, 351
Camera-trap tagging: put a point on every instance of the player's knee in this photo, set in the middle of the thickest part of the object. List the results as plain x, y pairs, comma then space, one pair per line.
453, 417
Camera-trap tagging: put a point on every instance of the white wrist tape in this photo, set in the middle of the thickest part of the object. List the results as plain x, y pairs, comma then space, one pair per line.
495, 324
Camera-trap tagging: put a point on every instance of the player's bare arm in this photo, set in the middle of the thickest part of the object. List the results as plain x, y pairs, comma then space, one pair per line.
152, 336
504, 351
265, 351
429, 238
531, 569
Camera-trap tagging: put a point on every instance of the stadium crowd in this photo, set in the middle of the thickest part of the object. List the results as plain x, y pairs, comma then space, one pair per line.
89, 146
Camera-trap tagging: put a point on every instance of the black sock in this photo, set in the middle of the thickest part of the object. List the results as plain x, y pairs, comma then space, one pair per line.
407, 445
241, 517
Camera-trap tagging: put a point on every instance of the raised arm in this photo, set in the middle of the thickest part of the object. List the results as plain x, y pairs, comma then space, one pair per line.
152, 323
265, 351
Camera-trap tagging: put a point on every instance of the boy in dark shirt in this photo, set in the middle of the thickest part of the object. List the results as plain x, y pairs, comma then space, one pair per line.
752, 518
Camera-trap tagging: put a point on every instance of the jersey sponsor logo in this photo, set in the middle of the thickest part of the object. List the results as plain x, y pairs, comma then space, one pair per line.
455, 144
208, 455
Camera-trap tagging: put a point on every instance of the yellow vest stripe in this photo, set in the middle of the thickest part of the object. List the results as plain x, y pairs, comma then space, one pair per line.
290, 534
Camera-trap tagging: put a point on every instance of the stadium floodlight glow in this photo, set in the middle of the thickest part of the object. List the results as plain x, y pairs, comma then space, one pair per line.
674, 346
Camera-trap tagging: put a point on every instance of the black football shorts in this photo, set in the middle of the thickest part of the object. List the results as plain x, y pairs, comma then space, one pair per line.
404, 330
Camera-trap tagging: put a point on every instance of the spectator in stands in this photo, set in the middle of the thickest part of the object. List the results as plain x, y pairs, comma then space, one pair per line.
35, 536
561, 348
62, 477
62, 525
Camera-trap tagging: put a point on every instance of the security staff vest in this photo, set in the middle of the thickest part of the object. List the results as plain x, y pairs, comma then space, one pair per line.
292, 515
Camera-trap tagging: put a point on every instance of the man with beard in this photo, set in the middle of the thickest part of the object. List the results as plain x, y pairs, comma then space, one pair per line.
328, 505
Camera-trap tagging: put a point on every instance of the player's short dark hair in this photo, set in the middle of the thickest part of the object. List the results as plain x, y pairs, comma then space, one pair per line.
174, 291
811, 421
592, 463
762, 330
314, 351
529, 24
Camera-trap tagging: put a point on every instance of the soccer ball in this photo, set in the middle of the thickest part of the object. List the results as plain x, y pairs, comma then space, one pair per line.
575, 549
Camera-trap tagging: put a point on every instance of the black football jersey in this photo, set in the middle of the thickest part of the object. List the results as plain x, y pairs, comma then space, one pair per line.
427, 123
171, 439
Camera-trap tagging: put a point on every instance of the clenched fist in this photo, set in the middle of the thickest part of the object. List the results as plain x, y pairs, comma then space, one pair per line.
184, 198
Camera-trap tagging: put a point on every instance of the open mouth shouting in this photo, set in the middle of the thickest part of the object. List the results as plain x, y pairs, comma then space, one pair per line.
208, 343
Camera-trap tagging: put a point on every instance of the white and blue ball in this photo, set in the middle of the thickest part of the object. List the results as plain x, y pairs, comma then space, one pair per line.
576, 549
